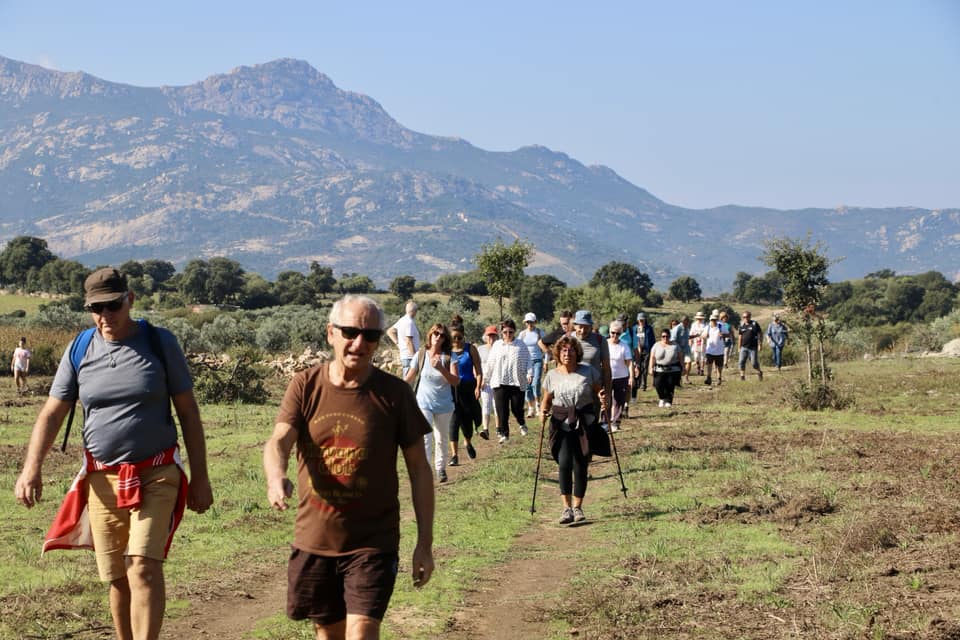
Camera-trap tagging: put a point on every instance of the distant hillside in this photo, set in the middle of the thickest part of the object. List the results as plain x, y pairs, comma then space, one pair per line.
274, 166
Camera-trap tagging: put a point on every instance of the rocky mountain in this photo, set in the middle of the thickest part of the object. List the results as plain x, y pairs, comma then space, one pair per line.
274, 166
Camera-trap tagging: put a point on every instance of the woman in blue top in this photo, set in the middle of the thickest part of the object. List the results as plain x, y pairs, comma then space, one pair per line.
433, 372
532, 337
466, 395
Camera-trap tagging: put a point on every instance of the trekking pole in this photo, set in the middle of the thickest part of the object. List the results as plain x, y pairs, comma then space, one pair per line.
536, 476
613, 445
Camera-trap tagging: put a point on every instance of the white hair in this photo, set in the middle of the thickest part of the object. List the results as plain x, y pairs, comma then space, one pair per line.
616, 325
366, 302
411, 306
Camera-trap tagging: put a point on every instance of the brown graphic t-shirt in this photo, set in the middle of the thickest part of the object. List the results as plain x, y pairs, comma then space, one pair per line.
347, 447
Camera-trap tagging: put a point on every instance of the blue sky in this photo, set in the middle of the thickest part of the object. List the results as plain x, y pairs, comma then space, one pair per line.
782, 104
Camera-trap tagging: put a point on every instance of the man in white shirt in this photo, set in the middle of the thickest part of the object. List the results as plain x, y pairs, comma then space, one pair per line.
406, 336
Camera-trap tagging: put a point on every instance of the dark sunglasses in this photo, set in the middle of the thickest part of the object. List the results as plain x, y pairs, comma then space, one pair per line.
351, 333
456, 337
100, 307
614, 333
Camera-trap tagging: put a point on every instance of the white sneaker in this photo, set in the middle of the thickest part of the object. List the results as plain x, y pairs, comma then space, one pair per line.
529, 412
523, 430
614, 428
661, 403
666, 404
502, 439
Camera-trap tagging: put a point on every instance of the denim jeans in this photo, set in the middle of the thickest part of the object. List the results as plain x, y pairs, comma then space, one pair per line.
533, 389
752, 355
777, 355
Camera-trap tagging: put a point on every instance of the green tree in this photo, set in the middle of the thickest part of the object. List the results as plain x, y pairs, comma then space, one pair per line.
740, 286
225, 283
291, 288
193, 282
160, 271
501, 267
356, 283
320, 279
257, 293
21, 256
60, 276
685, 289
537, 294
403, 287
620, 275
802, 267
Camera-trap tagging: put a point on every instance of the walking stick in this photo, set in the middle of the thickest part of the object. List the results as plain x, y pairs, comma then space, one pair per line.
536, 476
613, 444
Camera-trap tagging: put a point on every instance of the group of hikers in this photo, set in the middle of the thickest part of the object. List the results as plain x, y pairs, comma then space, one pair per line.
591, 375
348, 421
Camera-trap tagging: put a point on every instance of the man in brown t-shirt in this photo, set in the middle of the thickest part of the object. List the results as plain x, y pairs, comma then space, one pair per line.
348, 420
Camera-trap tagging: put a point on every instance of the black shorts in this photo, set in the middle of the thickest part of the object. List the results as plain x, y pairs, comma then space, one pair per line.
717, 360
325, 589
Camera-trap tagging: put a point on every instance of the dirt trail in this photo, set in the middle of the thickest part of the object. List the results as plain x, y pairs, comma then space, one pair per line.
231, 614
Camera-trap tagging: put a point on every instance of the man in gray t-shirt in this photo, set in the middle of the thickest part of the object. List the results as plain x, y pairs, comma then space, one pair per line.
130, 487
596, 352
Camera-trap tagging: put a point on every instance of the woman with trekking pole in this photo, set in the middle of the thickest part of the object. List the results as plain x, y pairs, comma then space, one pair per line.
568, 393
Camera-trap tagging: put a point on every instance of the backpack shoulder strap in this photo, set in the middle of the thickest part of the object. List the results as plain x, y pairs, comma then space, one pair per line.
79, 347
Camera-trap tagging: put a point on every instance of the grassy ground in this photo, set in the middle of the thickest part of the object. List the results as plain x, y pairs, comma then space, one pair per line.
743, 519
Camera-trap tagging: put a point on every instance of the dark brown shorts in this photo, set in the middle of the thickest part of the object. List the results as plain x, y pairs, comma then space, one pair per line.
325, 589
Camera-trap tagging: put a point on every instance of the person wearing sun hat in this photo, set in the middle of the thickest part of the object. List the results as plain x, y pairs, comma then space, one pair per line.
714, 348
490, 336
130, 494
697, 334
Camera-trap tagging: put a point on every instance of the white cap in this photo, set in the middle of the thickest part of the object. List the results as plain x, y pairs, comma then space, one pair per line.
530, 317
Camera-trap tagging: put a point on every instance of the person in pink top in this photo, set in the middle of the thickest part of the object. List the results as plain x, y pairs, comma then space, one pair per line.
20, 365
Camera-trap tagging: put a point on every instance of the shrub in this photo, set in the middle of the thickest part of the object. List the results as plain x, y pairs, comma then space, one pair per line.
60, 316
274, 335
819, 395
237, 380
187, 335
225, 332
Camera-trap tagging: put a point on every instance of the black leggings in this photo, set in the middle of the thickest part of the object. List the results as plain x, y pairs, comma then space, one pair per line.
573, 464
466, 411
508, 399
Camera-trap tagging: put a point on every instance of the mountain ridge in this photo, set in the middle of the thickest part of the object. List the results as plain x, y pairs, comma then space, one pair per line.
275, 166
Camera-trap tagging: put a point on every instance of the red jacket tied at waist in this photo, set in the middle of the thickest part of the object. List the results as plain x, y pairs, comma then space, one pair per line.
71, 526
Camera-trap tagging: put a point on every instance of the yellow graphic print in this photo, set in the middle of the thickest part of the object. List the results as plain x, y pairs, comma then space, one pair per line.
334, 462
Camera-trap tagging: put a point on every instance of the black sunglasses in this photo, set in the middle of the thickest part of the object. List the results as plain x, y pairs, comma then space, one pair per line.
351, 333
113, 305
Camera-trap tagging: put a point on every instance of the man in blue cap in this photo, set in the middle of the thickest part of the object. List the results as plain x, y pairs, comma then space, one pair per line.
595, 350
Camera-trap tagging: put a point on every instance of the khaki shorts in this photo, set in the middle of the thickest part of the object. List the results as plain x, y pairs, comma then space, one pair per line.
118, 533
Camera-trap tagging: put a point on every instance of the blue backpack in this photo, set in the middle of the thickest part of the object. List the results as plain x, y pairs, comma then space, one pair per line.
78, 348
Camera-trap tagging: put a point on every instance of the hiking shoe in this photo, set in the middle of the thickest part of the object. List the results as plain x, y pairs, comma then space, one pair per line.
529, 412
660, 404
566, 517
442, 475
615, 427
454, 461
708, 382
523, 430
666, 404
471, 451
626, 411
485, 434
502, 439
743, 377
760, 375
578, 515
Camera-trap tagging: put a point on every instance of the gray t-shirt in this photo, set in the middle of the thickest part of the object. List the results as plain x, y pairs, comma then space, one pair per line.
123, 389
666, 357
572, 389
